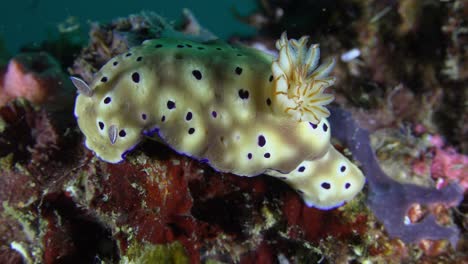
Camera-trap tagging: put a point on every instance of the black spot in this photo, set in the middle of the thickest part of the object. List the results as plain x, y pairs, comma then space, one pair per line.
197, 74
115, 63
238, 70
163, 118
158, 46
201, 48
261, 141
326, 185
301, 169
347, 185
238, 55
325, 127
314, 126
104, 79
136, 77
122, 133
214, 114
180, 46
178, 56
143, 116
191, 130
101, 125
188, 45
342, 168
271, 78
139, 58
218, 48
267, 155
188, 117
107, 100
249, 156
243, 94
268, 101
128, 54
170, 104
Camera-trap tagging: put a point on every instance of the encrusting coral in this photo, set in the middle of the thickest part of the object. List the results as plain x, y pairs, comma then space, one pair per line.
390, 200
219, 103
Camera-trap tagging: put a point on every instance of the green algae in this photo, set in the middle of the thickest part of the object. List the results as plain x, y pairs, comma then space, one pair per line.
144, 253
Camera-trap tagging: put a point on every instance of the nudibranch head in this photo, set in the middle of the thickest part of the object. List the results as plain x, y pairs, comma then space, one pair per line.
299, 84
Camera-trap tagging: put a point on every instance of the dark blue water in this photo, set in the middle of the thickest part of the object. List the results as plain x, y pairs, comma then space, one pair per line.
34, 20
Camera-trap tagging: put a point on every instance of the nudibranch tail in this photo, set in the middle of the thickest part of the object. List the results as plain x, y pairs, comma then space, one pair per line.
299, 84
326, 182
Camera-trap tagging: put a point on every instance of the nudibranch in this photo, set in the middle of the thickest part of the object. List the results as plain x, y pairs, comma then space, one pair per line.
238, 109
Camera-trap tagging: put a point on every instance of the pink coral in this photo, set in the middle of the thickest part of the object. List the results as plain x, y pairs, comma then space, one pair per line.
19, 83
445, 165
448, 164
34, 76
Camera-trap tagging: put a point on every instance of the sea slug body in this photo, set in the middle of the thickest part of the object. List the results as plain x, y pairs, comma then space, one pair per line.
241, 110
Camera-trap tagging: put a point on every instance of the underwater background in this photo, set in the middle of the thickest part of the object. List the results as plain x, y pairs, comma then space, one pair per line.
400, 114
35, 20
